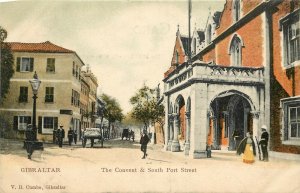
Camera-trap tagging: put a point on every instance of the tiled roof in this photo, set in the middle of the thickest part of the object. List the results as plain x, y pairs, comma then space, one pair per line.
43, 47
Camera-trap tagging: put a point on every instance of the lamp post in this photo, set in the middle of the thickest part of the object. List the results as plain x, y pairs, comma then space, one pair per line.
35, 84
3, 35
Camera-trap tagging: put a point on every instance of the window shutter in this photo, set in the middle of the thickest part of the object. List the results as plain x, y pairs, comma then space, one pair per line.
15, 123
31, 64
55, 119
40, 124
18, 64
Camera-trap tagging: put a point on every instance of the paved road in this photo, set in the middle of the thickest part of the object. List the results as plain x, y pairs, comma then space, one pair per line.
118, 167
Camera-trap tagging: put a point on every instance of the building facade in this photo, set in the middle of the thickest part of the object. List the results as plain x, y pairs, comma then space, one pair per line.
58, 101
244, 77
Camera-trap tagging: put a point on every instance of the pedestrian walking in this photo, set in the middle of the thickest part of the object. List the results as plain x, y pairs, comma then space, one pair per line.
75, 136
70, 136
144, 141
29, 141
264, 143
60, 135
247, 148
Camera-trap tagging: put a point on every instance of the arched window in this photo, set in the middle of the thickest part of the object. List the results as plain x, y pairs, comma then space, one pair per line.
235, 51
236, 10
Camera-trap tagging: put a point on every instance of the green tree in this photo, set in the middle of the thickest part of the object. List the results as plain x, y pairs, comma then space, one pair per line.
113, 111
146, 108
7, 62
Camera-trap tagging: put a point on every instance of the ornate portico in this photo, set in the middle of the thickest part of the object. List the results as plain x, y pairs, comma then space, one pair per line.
218, 100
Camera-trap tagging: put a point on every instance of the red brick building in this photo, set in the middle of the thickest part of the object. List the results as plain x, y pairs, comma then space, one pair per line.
245, 72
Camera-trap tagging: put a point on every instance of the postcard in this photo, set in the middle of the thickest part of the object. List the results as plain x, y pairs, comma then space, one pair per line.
149, 96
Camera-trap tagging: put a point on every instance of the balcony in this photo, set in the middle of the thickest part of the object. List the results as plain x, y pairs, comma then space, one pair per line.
214, 74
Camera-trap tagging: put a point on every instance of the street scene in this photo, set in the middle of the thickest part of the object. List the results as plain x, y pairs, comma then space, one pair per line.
150, 96
87, 170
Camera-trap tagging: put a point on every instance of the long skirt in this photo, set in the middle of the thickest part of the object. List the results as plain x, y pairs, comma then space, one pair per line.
248, 156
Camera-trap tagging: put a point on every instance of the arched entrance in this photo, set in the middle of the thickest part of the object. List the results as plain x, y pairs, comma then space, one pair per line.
231, 120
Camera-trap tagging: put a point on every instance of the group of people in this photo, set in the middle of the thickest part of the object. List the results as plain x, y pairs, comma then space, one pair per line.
247, 146
59, 135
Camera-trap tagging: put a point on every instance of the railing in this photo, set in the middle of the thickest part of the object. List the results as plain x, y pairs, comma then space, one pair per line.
216, 73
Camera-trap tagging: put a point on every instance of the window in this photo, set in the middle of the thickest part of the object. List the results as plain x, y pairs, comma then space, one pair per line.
73, 70
77, 71
49, 96
23, 98
291, 120
294, 122
25, 64
236, 10
290, 25
235, 51
21, 122
50, 65
49, 123
75, 98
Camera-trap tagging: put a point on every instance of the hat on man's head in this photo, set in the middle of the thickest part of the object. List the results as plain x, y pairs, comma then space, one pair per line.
61, 125
264, 127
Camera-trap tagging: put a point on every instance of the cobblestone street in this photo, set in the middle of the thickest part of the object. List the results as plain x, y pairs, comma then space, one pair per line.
118, 166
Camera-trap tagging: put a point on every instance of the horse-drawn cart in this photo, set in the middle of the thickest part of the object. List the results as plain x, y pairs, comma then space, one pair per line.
92, 134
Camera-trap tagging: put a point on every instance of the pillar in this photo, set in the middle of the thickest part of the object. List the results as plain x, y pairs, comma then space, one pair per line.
170, 132
175, 143
187, 136
198, 120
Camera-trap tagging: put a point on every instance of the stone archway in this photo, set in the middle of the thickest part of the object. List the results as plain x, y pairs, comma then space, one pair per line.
178, 124
231, 111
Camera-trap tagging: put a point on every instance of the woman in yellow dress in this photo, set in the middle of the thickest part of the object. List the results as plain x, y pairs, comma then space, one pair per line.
247, 148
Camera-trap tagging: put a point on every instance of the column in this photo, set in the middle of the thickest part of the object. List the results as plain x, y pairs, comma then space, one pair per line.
198, 120
175, 143
187, 135
170, 132
167, 122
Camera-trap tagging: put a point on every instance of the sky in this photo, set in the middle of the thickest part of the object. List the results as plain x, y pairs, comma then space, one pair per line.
126, 43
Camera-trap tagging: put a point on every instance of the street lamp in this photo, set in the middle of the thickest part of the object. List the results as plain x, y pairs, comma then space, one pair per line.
3, 35
31, 142
35, 84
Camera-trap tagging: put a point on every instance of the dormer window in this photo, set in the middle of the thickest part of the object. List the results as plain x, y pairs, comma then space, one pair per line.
236, 10
177, 57
194, 46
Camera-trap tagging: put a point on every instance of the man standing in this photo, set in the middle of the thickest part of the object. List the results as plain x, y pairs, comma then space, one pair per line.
264, 143
60, 135
29, 141
236, 137
70, 136
75, 136
144, 141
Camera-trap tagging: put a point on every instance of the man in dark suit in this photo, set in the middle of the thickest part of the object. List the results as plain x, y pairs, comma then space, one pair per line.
70, 136
29, 141
264, 143
144, 141
60, 135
